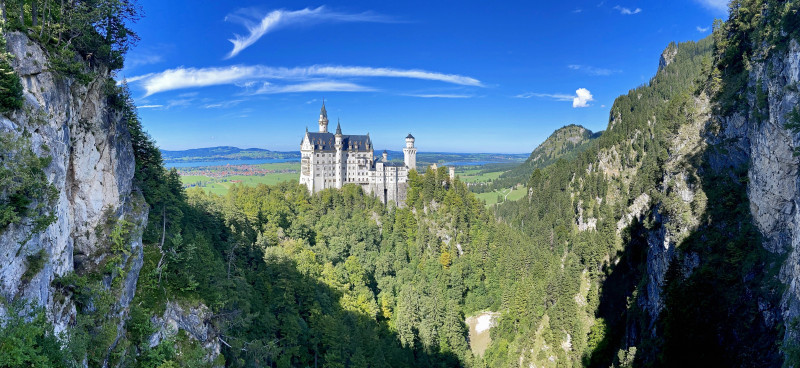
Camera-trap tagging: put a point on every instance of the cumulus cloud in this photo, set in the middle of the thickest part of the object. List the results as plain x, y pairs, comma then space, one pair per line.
319, 86
258, 25
582, 98
627, 11
593, 70
179, 78
703, 29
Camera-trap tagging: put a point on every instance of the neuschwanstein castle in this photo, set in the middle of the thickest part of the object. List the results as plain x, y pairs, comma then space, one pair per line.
333, 160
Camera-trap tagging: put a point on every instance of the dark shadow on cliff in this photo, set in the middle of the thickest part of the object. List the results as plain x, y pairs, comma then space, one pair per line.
722, 310
721, 292
616, 292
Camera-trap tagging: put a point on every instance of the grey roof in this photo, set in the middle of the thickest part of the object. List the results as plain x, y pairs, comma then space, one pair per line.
322, 111
394, 164
327, 141
410, 136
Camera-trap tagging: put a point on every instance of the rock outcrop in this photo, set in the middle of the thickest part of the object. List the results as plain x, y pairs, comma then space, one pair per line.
92, 169
195, 321
773, 181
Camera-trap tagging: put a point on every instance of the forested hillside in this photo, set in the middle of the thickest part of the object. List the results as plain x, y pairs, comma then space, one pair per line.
566, 143
669, 240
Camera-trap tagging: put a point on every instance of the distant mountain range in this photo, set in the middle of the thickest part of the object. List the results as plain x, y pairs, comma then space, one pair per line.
225, 153
235, 153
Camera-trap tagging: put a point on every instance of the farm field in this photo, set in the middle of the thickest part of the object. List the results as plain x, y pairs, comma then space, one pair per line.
218, 180
508, 194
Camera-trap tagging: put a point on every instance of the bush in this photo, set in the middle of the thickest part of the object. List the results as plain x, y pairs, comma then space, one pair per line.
10, 88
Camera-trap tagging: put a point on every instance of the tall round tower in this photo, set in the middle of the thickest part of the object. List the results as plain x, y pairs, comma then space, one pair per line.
410, 153
323, 119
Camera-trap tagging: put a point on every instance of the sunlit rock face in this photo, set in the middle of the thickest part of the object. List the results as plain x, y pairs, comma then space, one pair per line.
92, 169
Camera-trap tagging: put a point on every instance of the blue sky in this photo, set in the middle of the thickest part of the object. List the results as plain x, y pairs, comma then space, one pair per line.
467, 76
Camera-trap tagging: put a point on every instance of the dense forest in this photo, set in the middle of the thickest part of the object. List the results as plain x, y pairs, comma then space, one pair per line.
336, 279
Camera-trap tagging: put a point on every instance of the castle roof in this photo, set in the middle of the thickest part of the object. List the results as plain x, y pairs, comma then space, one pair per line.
322, 111
410, 136
327, 141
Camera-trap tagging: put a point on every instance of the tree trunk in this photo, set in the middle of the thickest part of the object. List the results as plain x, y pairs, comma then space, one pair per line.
45, 18
3, 10
22, 13
33, 12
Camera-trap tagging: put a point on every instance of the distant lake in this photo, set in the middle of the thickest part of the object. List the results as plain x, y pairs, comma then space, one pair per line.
471, 163
230, 162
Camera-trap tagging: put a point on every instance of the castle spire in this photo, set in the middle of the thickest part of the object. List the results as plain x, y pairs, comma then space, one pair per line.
323, 119
338, 127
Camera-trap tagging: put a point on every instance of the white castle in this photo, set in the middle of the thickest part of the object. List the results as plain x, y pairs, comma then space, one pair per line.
333, 160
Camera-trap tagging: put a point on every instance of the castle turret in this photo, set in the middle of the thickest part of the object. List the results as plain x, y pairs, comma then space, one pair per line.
339, 155
410, 153
323, 119
385, 156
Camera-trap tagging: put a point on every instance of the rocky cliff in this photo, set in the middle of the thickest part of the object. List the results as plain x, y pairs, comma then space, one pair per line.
92, 170
762, 140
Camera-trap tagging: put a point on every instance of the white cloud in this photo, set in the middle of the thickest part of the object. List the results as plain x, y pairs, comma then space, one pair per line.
443, 95
244, 75
150, 106
554, 96
258, 25
627, 11
582, 98
719, 6
702, 29
223, 104
143, 58
321, 86
593, 70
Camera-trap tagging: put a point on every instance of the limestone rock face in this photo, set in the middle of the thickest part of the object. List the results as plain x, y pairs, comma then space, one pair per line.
774, 184
767, 148
92, 169
195, 321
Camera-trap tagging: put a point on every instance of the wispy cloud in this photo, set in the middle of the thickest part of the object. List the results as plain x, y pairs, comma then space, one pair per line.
627, 11
703, 29
440, 95
718, 6
319, 86
150, 106
223, 104
258, 24
593, 70
554, 96
180, 78
581, 98
143, 58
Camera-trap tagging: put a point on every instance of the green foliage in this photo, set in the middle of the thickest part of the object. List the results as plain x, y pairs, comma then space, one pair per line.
26, 194
10, 88
34, 264
10, 85
79, 35
27, 339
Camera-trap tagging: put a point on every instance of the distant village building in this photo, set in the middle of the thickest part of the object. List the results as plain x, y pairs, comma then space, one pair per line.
333, 160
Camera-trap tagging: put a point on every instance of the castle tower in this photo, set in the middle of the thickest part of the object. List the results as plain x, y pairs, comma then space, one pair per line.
339, 155
323, 119
410, 153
